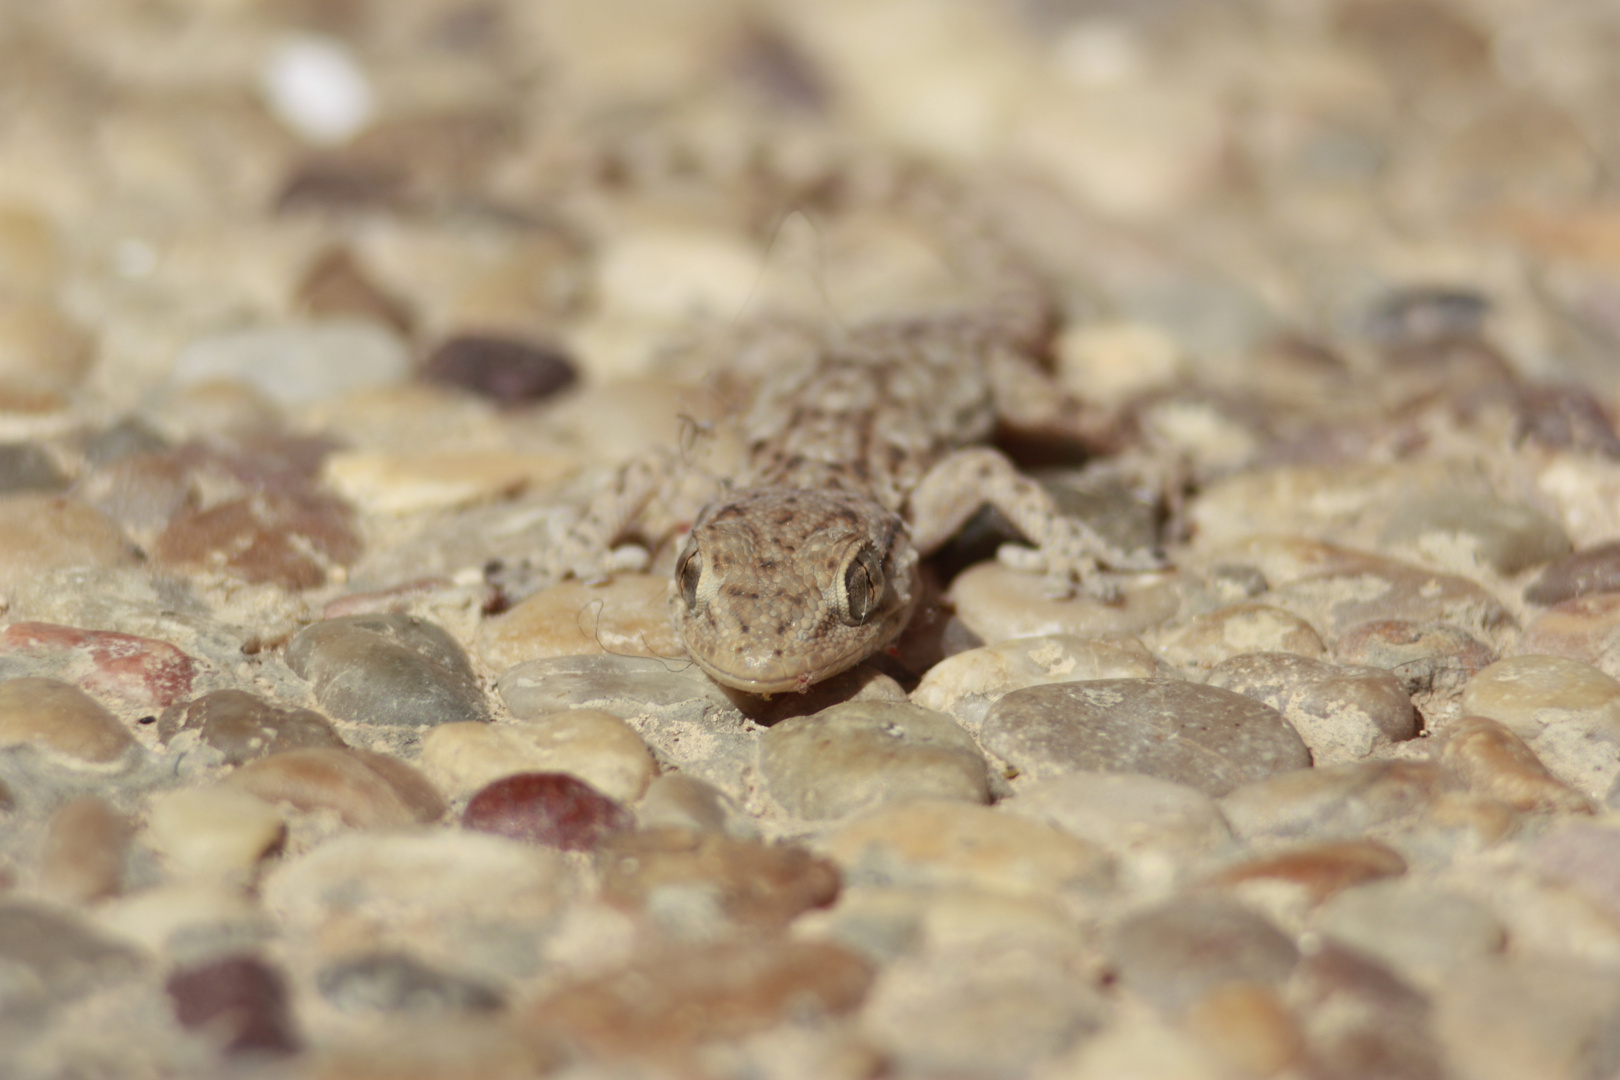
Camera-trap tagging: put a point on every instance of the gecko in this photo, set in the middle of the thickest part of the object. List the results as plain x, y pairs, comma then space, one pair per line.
863, 453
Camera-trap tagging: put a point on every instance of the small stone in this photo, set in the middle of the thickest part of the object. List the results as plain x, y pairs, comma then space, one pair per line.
674, 874
238, 1001
419, 481
1342, 713
937, 843
623, 685
1488, 758
63, 956
678, 801
1461, 530
218, 831
243, 726
1175, 954
1432, 660
998, 604
315, 86
189, 921
1425, 313
861, 755
86, 844
61, 718
988, 1010
1206, 640
335, 285
1416, 929
1569, 713
1341, 801
216, 407
627, 616
1202, 736
393, 670
594, 746
143, 672
41, 533
297, 364
26, 467
968, 683
550, 809
1318, 871
141, 492
1585, 629
368, 791
1132, 816
1591, 570
43, 357
685, 995
286, 538
396, 982
504, 369
30, 251
128, 437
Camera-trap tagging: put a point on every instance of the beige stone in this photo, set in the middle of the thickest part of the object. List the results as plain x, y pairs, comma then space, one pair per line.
42, 356
219, 831
368, 791
40, 533
968, 683
86, 844
62, 718
1205, 640
627, 616
596, 746
999, 603
413, 483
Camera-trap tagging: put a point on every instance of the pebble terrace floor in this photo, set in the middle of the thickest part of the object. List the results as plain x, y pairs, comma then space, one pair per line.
317, 318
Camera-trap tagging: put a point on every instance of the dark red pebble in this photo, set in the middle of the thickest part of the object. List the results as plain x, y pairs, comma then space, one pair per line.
240, 999
499, 368
553, 809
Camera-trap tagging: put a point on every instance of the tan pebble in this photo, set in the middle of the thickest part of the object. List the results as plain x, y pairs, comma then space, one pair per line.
676, 800
61, 717
1206, 640
213, 407
42, 355
336, 284
675, 273
999, 603
1485, 819
968, 683
40, 533
1530, 693
30, 254
1586, 628
523, 291
628, 616
1114, 361
413, 483
368, 791
1320, 870
1131, 815
1248, 1026
86, 844
593, 745
215, 831
938, 842
1488, 758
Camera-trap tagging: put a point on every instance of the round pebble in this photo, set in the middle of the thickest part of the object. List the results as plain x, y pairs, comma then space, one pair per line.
315, 86
336, 285
1201, 736
860, 755
63, 957
416, 482
394, 670
1569, 712
397, 983
1315, 872
503, 369
139, 672
366, 790
296, 364
43, 356
1174, 954
998, 604
41, 533
547, 808
627, 616
63, 719
86, 846
1487, 757
1206, 640
1432, 660
293, 539
1416, 929
1342, 713
243, 726
678, 801
1591, 570
1137, 817
1585, 629
1340, 801
594, 746
220, 831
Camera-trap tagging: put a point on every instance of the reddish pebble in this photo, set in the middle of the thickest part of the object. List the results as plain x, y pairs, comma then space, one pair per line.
239, 999
553, 809
504, 369
145, 671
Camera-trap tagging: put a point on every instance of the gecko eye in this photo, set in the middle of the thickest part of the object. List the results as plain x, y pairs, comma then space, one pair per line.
862, 587
689, 574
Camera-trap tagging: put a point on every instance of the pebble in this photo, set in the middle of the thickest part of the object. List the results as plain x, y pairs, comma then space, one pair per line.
678, 801
1434, 661
503, 369
1460, 530
1585, 629
589, 744
336, 286
393, 670
1585, 855
366, 790
968, 683
864, 754
1595, 569
1362, 1019
548, 808
62, 956
63, 719
985, 1011
1174, 954
86, 845
219, 831
695, 882
141, 672
627, 616
941, 843
1343, 713
1511, 1017
683, 995
1202, 736
30, 250
1486, 757
43, 357
244, 726
1418, 930
1315, 872
998, 604
26, 467
421, 481
239, 1003
292, 539
317, 87
1344, 800
1238, 629
296, 364
400, 983
1569, 713
189, 921
1149, 823
40, 533
141, 492
623, 685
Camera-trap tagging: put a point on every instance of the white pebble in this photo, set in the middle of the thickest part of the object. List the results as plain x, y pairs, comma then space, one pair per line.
314, 86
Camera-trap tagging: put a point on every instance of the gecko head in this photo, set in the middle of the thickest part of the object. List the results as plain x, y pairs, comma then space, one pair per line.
779, 588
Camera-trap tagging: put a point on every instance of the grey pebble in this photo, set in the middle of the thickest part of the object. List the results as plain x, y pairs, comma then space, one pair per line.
62, 956
396, 982
1342, 712
863, 754
1508, 537
1333, 802
1202, 736
243, 726
26, 467
393, 670
1173, 954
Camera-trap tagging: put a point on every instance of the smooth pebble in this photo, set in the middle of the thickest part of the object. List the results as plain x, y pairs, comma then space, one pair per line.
297, 364
595, 746
628, 616
1206, 640
366, 790
394, 670
240, 1003
1343, 713
244, 726
63, 719
551, 809
216, 831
